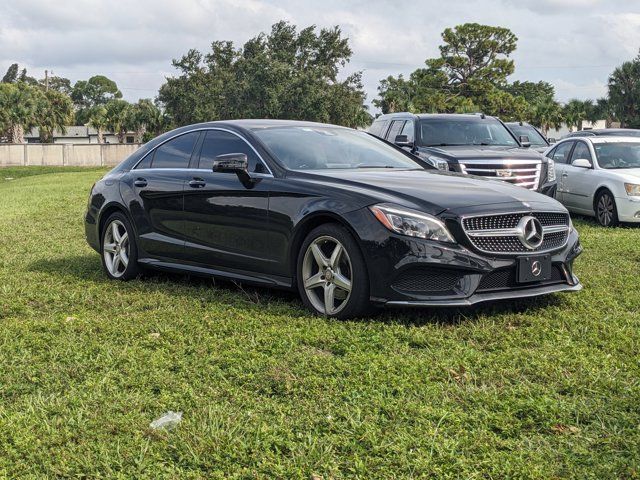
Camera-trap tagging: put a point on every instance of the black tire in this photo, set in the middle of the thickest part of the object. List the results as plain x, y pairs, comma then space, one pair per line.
606, 210
117, 249
332, 278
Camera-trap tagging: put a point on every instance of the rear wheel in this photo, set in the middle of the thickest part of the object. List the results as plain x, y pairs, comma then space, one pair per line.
331, 273
606, 211
119, 250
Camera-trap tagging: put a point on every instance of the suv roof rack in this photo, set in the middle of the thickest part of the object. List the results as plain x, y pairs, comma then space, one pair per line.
481, 114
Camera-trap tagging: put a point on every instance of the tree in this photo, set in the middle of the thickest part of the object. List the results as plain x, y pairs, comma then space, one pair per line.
18, 110
574, 113
117, 114
285, 74
532, 92
546, 114
605, 110
144, 118
12, 74
97, 118
59, 84
98, 90
624, 93
470, 75
54, 112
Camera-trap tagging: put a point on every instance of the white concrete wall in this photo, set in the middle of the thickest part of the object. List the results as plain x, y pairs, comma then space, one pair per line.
86, 155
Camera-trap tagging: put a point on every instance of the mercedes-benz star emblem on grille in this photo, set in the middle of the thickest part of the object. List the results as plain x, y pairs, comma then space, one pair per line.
530, 232
505, 173
536, 268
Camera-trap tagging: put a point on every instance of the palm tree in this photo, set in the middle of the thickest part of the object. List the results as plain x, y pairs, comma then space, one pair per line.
55, 112
547, 114
144, 116
575, 112
98, 119
18, 110
624, 92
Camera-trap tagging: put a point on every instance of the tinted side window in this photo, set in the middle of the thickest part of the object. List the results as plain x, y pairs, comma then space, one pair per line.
218, 142
581, 151
408, 130
376, 127
396, 128
175, 153
561, 152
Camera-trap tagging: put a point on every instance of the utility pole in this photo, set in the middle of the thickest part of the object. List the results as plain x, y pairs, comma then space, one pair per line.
46, 80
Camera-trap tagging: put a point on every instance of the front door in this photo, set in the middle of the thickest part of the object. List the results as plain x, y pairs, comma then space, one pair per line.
226, 221
560, 155
579, 181
156, 187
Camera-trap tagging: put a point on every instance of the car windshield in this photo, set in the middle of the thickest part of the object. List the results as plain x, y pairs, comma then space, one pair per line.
618, 155
322, 148
464, 131
536, 139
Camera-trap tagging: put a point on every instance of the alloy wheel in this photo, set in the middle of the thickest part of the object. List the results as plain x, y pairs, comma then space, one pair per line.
327, 275
605, 209
115, 248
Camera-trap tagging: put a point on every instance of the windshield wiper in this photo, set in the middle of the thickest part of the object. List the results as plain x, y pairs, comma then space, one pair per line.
446, 145
375, 166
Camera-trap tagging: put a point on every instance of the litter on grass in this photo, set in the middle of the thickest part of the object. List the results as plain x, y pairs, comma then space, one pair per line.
168, 421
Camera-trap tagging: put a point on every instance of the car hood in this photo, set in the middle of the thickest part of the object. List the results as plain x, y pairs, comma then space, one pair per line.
481, 152
628, 174
431, 191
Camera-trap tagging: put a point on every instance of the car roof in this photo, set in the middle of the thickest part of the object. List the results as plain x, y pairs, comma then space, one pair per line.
263, 123
618, 139
469, 116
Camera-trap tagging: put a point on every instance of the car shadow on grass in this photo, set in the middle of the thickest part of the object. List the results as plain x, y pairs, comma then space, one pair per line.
88, 268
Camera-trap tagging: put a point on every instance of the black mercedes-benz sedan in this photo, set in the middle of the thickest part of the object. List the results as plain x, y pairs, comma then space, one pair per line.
347, 219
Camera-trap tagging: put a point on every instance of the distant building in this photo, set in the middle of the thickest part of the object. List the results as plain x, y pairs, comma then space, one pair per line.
79, 134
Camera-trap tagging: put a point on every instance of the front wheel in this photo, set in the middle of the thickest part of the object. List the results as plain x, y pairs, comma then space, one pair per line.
119, 250
606, 211
331, 273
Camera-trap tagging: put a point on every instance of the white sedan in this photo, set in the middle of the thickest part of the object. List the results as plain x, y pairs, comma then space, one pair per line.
599, 176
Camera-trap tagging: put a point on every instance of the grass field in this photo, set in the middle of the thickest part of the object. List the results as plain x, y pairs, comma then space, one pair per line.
546, 388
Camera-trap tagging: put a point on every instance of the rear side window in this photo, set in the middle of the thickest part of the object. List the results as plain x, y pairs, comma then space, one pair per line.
378, 128
561, 153
219, 142
394, 131
175, 153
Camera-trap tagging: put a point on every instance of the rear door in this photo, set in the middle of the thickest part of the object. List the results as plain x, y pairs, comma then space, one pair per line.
227, 222
156, 187
579, 182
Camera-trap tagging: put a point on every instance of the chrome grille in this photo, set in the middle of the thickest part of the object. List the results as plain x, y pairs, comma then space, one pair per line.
499, 233
524, 173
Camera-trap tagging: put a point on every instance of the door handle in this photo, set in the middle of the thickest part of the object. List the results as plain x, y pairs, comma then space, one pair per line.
140, 182
565, 174
197, 183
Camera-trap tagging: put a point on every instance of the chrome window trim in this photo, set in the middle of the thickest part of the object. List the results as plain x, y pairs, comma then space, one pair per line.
203, 129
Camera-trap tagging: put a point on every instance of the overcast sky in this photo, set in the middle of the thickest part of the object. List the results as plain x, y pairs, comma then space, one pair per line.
574, 44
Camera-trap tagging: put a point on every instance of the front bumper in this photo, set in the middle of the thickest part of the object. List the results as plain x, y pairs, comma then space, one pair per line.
406, 271
628, 209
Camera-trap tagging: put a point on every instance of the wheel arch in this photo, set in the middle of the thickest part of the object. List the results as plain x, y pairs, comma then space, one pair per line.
306, 225
597, 193
109, 210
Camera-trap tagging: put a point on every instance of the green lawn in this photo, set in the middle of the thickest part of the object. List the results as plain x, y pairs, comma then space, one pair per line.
544, 388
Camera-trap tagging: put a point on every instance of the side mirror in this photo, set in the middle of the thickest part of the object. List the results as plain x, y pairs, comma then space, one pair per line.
551, 140
524, 141
403, 141
231, 163
581, 163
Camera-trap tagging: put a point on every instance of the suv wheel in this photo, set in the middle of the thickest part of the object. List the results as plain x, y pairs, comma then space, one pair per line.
331, 274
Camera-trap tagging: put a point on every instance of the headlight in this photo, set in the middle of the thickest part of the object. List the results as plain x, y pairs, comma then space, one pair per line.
411, 222
439, 163
632, 189
551, 171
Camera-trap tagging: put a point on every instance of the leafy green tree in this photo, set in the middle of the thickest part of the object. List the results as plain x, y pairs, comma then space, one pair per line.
98, 90
117, 115
574, 113
624, 93
18, 110
54, 112
285, 74
470, 75
145, 118
11, 76
532, 92
605, 110
59, 84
